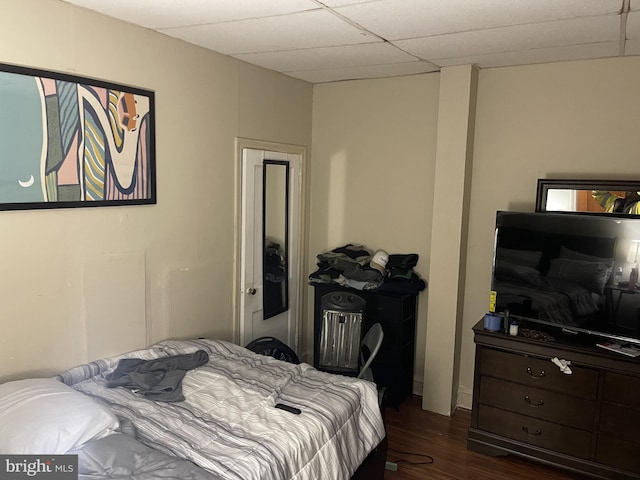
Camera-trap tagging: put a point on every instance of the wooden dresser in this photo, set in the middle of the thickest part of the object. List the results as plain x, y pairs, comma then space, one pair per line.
588, 421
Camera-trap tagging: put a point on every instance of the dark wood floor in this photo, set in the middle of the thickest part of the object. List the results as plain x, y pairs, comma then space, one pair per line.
411, 429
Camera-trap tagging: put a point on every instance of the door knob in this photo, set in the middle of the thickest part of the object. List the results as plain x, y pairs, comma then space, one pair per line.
251, 291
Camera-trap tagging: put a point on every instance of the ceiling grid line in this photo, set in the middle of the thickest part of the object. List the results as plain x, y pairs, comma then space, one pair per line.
624, 14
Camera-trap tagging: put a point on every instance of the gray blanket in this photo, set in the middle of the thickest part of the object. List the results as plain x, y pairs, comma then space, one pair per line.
159, 379
120, 456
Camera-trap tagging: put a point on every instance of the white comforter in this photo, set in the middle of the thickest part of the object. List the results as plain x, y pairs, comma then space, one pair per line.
228, 424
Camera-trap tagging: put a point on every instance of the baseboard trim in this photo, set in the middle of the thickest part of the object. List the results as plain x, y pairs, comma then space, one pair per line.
465, 398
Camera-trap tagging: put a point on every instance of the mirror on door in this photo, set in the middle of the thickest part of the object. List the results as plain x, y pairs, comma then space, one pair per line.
275, 212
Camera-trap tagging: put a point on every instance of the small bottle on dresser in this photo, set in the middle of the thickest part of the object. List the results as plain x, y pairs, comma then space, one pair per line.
618, 276
513, 328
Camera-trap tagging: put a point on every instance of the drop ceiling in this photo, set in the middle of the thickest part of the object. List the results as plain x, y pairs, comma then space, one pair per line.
332, 40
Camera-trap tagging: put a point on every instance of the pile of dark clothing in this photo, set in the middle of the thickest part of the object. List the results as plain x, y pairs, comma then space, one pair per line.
351, 266
401, 277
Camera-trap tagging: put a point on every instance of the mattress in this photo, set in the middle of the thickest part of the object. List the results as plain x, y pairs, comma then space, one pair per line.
228, 424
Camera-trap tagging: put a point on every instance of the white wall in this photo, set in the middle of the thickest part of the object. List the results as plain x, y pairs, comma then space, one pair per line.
86, 282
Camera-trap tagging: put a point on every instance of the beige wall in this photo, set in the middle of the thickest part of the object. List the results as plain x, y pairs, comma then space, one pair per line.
572, 120
454, 159
372, 171
560, 120
82, 283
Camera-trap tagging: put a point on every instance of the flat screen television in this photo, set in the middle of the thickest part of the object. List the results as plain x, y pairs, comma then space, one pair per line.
559, 270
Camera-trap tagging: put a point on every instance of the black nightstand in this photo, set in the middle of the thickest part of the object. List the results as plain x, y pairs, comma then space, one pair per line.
393, 366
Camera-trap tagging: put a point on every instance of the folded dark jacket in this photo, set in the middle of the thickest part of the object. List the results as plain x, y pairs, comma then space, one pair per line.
159, 379
343, 258
404, 261
352, 251
413, 286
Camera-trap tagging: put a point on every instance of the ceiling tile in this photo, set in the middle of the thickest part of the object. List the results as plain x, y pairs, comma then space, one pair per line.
633, 26
328, 57
316, 28
369, 71
343, 3
632, 47
323, 39
632, 44
539, 55
172, 13
521, 37
393, 19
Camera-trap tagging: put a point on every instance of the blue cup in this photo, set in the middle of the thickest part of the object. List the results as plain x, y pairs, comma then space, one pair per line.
493, 322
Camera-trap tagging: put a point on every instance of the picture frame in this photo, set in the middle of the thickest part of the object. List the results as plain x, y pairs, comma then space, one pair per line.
69, 141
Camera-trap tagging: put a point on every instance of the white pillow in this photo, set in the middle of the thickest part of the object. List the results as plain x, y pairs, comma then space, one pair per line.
44, 416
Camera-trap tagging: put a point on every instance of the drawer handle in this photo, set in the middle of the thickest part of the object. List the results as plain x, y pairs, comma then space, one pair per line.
533, 405
535, 377
537, 433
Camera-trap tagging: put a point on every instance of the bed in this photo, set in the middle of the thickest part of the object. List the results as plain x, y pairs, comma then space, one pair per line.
218, 421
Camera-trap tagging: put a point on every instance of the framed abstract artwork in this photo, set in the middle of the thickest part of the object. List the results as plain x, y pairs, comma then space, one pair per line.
68, 141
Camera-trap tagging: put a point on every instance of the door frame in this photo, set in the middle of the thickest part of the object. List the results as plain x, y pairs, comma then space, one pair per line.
240, 144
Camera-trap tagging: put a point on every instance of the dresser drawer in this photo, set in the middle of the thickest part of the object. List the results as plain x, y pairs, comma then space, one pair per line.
535, 402
536, 432
390, 309
618, 453
622, 423
622, 389
408, 330
539, 373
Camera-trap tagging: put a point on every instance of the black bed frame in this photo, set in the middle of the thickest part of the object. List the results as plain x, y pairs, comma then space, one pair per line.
373, 466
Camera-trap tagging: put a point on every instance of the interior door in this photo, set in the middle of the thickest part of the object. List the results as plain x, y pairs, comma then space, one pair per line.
283, 326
